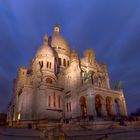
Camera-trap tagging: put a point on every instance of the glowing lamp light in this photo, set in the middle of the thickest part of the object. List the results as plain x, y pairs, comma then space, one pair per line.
19, 116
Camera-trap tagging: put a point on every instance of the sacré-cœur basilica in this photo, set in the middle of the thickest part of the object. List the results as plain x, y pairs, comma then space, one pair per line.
60, 86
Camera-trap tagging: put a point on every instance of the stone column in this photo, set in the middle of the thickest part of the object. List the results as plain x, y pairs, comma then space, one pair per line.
104, 112
94, 109
125, 109
89, 104
113, 109
74, 107
124, 105
107, 82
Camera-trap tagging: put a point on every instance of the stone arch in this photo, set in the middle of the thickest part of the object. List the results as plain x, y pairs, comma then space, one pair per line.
83, 106
98, 104
117, 106
108, 105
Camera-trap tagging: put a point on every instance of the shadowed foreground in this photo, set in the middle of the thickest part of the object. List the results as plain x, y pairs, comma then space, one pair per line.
30, 134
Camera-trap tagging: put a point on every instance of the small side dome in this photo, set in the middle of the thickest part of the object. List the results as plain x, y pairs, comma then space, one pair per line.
89, 52
45, 49
59, 43
89, 56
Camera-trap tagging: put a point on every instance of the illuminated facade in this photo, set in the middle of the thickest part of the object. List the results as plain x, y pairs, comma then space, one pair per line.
59, 85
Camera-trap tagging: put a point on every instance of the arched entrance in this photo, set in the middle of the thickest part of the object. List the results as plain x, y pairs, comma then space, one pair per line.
108, 105
83, 106
117, 106
98, 105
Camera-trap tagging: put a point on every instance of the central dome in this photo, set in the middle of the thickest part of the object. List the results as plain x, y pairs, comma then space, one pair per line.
59, 43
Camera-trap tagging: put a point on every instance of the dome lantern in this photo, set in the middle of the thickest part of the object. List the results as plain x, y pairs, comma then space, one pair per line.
56, 28
59, 43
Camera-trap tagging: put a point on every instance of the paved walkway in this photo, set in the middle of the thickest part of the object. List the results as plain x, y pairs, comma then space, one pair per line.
30, 134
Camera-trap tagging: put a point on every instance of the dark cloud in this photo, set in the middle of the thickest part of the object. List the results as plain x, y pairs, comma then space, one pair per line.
111, 28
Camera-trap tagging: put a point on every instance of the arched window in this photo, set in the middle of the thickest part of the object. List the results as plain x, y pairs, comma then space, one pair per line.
108, 105
83, 106
50, 65
59, 60
47, 64
98, 105
49, 81
70, 106
49, 101
41, 64
59, 101
64, 62
68, 63
67, 107
54, 101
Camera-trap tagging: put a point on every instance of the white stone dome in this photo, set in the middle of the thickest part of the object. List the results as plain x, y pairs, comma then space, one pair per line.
45, 49
59, 43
